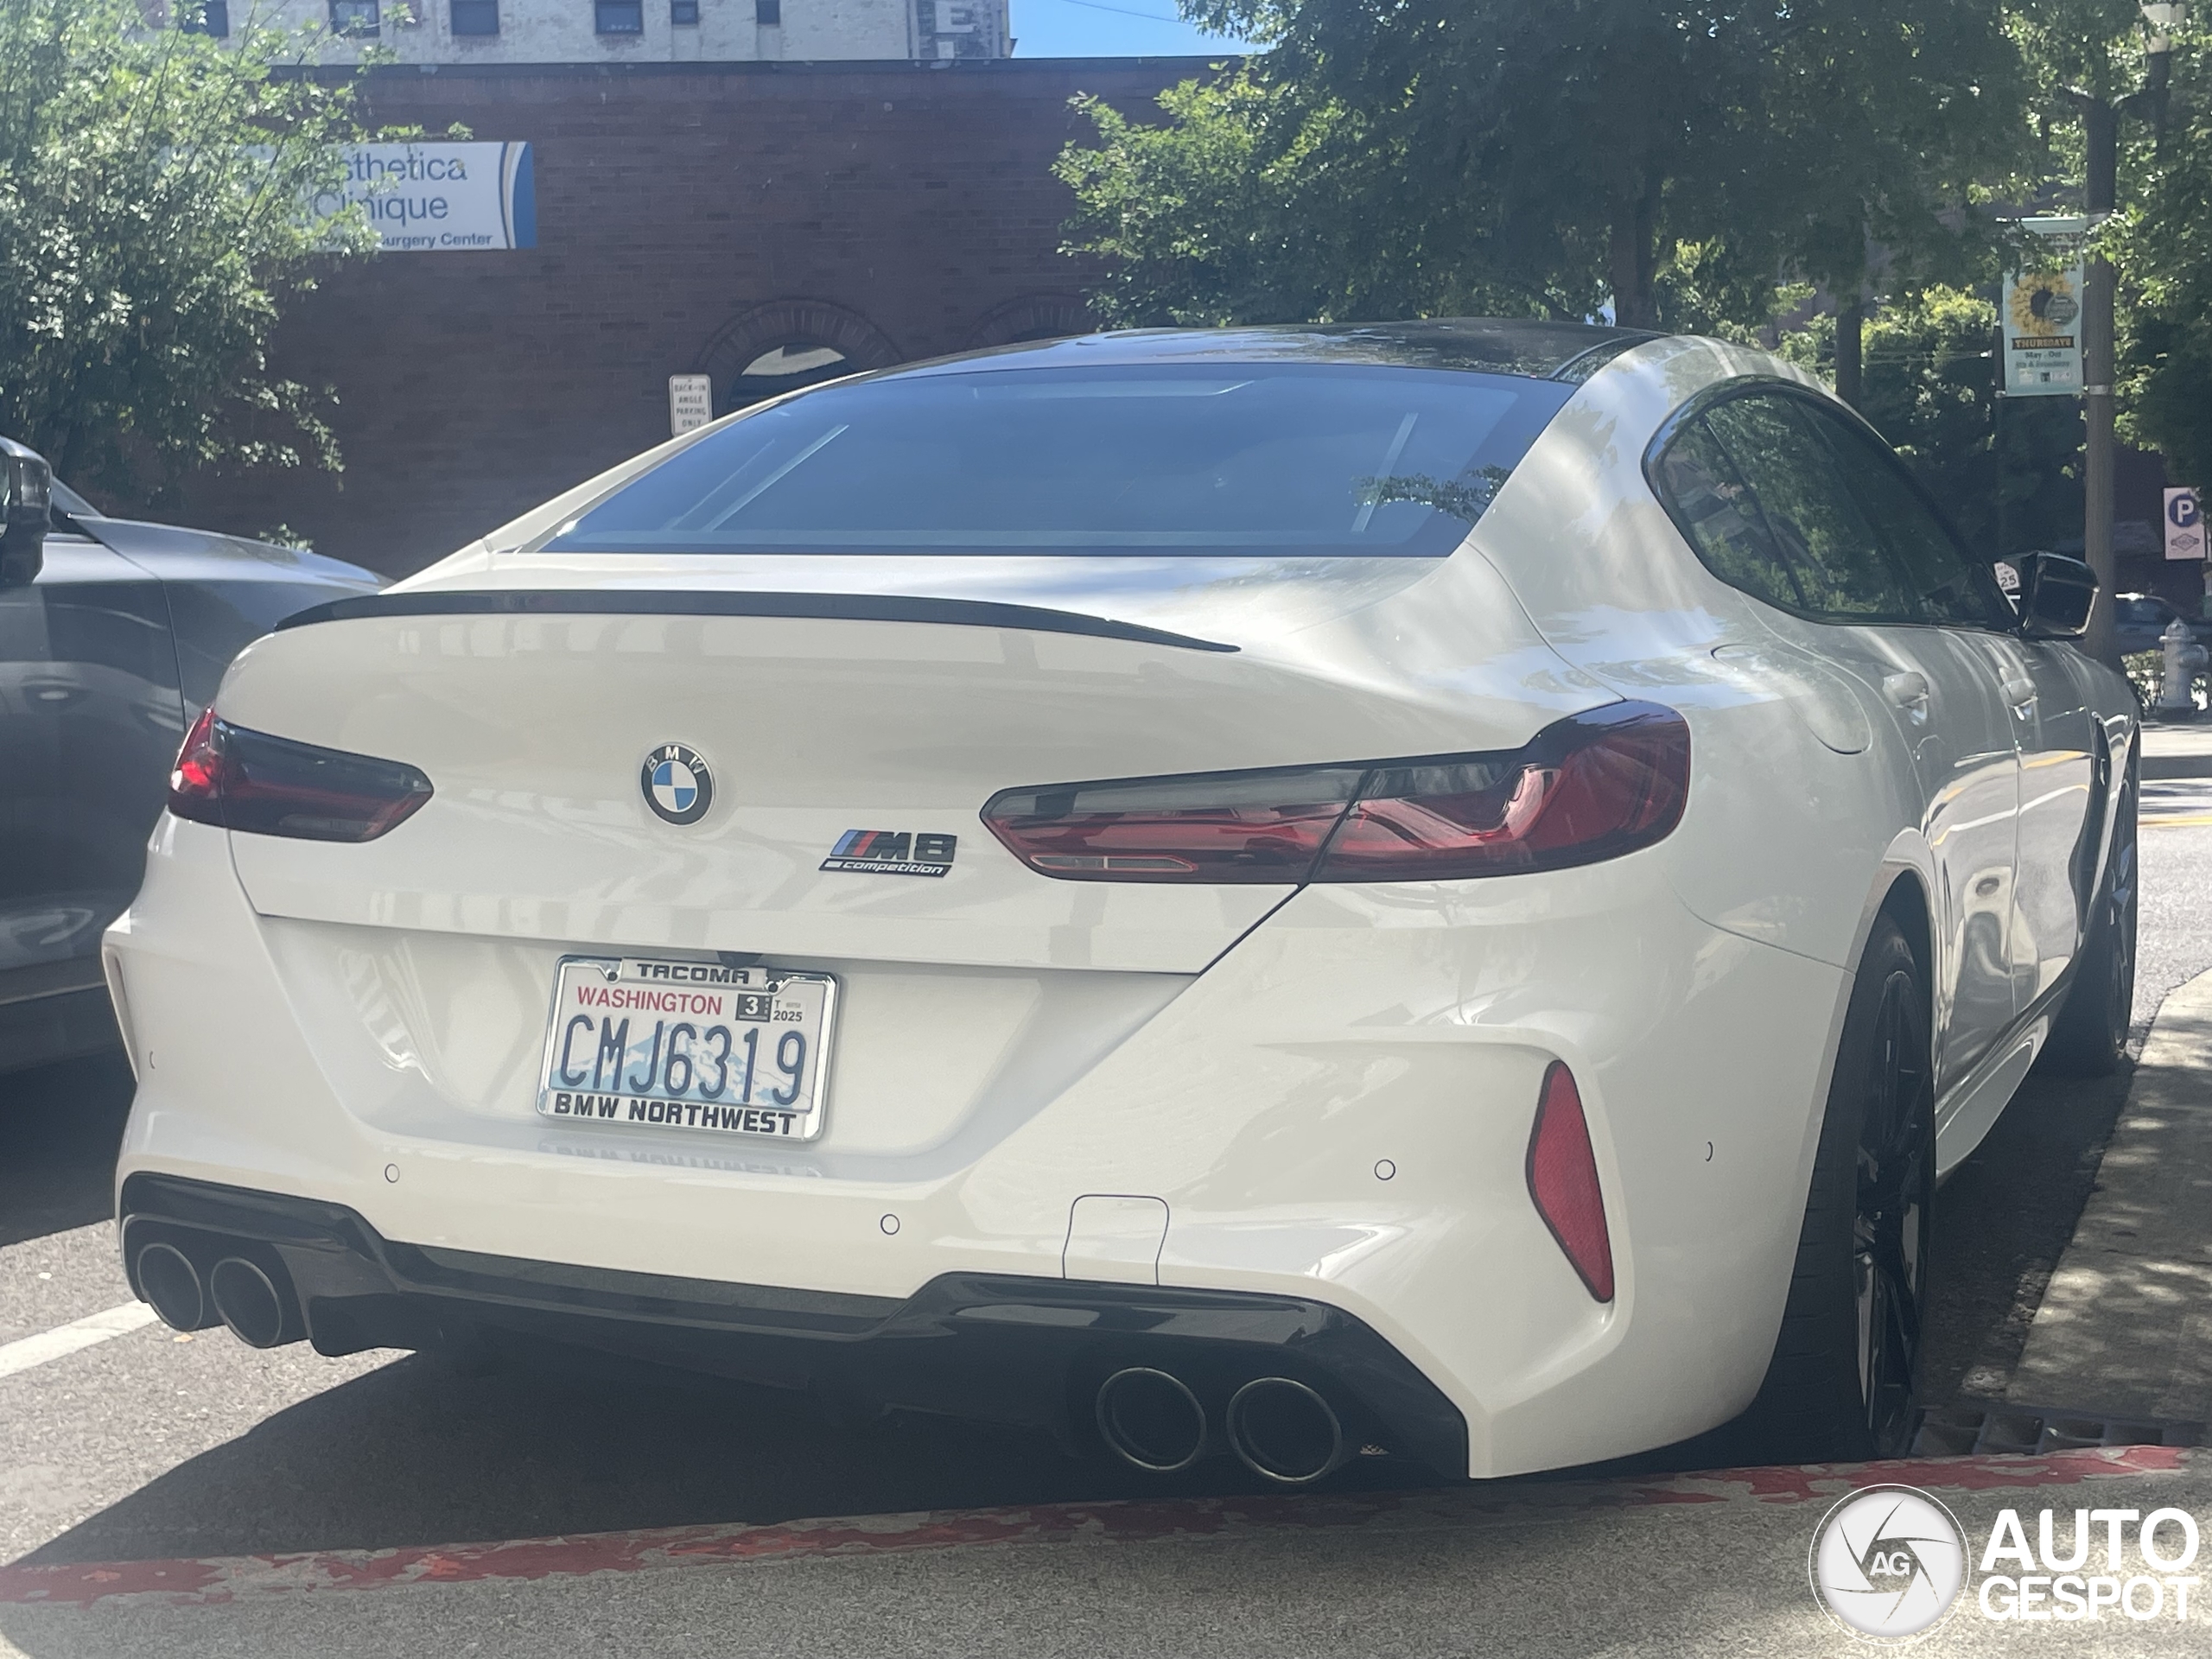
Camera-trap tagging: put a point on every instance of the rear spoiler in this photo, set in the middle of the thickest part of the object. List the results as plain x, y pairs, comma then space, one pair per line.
838, 607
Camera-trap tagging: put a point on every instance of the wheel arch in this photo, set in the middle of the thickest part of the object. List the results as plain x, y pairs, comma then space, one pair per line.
1905, 903
1904, 889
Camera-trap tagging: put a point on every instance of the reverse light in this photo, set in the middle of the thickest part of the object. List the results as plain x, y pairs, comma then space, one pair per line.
1590, 787
240, 780
1563, 1181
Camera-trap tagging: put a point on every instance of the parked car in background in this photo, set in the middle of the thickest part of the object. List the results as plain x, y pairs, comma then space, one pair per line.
2142, 620
114, 635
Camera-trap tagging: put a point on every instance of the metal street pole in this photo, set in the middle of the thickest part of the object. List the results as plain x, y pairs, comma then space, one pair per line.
2102, 124
2100, 135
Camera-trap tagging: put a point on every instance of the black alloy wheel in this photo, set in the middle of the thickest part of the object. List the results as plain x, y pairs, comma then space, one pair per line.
1843, 1383
1890, 1229
2089, 1037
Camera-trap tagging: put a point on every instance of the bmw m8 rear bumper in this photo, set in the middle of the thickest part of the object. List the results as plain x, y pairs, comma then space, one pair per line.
997, 1348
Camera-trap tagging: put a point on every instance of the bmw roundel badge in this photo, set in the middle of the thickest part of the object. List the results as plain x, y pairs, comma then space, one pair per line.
677, 784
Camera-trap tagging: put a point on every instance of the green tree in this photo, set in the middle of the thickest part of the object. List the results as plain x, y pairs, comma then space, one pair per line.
1250, 205
2163, 242
152, 185
1673, 159
2007, 472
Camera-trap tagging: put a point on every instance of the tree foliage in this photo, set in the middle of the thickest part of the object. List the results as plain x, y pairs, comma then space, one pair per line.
2163, 243
1675, 159
152, 185
2007, 472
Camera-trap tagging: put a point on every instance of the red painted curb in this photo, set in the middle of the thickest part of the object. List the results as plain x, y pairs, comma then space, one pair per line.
227, 1579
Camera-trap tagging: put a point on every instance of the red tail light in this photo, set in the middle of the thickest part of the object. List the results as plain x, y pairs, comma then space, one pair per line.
238, 779
1233, 826
1563, 1181
1590, 787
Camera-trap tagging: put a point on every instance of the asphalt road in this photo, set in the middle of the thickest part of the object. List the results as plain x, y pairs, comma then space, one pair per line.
153, 1445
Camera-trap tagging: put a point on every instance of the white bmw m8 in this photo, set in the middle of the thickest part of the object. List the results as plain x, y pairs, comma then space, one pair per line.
1450, 888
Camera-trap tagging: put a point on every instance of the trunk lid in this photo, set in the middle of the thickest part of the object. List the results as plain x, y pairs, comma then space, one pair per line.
836, 743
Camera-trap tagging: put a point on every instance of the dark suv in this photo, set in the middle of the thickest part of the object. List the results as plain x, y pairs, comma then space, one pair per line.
114, 635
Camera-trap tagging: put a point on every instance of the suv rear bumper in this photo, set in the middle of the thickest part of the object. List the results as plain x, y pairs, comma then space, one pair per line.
1001, 1347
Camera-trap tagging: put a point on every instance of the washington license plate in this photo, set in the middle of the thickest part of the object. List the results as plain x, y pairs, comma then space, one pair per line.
688, 1046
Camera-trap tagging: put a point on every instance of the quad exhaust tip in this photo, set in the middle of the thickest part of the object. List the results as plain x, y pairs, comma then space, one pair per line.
250, 1305
256, 1305
1151, 1419
171, 1286
1286, 1432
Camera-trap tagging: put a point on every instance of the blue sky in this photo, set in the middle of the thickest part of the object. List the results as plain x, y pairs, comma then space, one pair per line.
1106, 29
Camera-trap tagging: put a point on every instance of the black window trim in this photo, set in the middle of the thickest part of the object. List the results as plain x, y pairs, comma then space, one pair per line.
1746, 385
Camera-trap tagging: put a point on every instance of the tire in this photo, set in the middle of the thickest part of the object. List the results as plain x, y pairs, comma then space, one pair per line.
1844, 1382
2089, 1037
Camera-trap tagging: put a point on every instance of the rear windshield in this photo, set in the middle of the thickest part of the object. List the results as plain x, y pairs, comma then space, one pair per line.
1262, 457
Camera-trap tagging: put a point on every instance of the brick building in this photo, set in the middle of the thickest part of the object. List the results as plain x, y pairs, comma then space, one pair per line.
761, 224
619, 31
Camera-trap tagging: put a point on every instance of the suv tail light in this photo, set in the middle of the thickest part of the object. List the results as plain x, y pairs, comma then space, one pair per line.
237, 779
1589, 787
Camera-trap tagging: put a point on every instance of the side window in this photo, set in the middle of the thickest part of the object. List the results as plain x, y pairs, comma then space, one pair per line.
1948, 586
1841, 559
1699, 486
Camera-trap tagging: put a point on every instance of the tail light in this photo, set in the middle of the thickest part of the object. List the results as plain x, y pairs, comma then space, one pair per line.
1563, 1181
1590, 787
238, 779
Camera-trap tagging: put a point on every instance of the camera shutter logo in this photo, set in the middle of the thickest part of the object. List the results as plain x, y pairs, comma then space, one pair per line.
677, 784
1888, 1562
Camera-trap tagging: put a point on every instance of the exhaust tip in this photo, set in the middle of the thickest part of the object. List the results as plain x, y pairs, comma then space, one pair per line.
1285, 1431
171, 1286
1151, 1419
249, 1303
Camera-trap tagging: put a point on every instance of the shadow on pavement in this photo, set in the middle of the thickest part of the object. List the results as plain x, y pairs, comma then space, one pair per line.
2002, 1222
59, 1127
559, 1441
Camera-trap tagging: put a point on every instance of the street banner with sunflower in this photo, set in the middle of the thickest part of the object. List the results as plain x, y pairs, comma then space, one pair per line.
2042, 313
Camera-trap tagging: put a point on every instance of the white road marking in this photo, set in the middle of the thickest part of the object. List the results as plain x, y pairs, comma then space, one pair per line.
21, 1355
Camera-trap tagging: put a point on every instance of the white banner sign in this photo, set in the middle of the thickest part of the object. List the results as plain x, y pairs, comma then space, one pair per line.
2042, 314
442, 198
2184, 524
690, 402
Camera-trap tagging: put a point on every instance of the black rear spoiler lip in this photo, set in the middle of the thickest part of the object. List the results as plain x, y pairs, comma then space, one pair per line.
837, 608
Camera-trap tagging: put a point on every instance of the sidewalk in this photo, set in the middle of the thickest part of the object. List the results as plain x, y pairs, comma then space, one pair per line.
2125, 1329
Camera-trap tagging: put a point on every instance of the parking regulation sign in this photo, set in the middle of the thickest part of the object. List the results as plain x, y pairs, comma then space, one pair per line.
690, 402
2184, 524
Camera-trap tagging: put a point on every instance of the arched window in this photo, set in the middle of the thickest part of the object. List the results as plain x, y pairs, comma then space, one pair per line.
1032, 317
787, 367
787, 344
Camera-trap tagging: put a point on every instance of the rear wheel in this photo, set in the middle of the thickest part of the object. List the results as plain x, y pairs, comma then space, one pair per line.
2090, 1036
1844, 1381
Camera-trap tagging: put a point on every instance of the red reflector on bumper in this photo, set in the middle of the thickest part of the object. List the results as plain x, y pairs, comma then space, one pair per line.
1563, 1181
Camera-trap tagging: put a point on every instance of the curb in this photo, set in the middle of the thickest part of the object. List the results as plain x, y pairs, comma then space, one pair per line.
218, 1580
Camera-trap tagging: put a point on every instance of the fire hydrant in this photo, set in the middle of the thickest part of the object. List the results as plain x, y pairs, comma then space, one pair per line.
2184, 662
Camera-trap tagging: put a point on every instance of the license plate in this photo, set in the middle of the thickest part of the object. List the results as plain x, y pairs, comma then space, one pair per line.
690, 1046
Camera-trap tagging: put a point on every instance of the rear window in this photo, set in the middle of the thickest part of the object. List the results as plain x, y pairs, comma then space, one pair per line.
1256, 458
